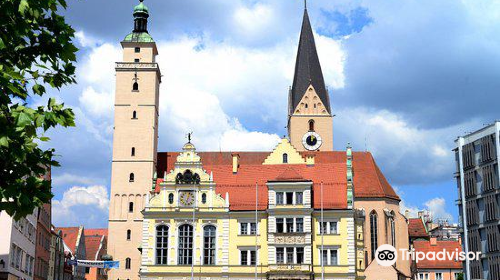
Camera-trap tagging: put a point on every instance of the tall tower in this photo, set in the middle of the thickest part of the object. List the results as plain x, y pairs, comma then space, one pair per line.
134, 144
310, 121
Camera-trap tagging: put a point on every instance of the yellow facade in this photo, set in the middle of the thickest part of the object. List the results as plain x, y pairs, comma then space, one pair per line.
283, 251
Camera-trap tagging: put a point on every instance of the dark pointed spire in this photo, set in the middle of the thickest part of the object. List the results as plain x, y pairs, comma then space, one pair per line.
307, 68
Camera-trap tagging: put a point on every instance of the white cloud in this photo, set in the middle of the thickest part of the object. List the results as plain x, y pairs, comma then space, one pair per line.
86, 41
253, 20
93, 199
437, 207
97, 103
67, 178
98, 67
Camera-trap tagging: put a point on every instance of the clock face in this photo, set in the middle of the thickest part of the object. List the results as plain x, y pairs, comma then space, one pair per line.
311, 141
186, 198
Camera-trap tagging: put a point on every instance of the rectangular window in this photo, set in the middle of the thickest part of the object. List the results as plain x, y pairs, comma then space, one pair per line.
323, 226
289, 255
279, 225
137, 49
324, 257
333, 257
298, 198
280, 255
136, 60
299, 225
253, 257
244, 228
289, 198
279, 198
329, 227
300, 254
289, 225
439, 276
244, 257
333, 227
248, 257
253, 228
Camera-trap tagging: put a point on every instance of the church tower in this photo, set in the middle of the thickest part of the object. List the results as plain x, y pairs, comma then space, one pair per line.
135, 140
310, 121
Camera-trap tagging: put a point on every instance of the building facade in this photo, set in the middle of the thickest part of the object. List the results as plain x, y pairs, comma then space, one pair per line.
96, 246
478, 177
43, 240
74, 238
17, 247
309, 146
56, 262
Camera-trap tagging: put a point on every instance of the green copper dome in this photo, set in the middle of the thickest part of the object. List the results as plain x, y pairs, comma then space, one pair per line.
141, 37
141, 8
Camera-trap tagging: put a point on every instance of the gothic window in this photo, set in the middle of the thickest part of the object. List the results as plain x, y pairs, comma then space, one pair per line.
133, 152
185, 245
134, 115
311, 125
127, 263
204, 198
129, 233
171, 198
373, 233
285, 158
137, 49
131, 207
135, 86
161, 244
131, 177
209, 245
393, 230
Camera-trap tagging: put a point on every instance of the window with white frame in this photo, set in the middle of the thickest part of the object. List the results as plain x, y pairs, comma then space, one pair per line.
328, 227
329, 256
209, 245
161, 244
289, 225
289, 255
248, 228
439, 276
423, 276
289, 198
248, 256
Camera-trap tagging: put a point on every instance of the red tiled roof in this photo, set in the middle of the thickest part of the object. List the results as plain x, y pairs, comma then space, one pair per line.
289, 175
69, 235
416, 228
92, 245
450, 246
329, 168
96, 231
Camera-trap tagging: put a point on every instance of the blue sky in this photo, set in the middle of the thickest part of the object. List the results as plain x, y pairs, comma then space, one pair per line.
405, 78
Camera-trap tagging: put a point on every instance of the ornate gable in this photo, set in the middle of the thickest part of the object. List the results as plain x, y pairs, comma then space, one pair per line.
311, 104
284, 150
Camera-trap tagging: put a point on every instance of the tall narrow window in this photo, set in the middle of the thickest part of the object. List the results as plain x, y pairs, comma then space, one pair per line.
285, 158
131, 177
129, 233
209, 245
161, 244
279, 225
298, 198
279, 198
171, 198
311, 125
127, 263
185, 245
132, 153
204, 198
299, 225
373, 233
135, 86
289, 198
131, 207
393, 231
134, 115
280, 255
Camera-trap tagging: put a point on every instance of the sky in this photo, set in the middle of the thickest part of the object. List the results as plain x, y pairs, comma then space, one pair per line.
405, 79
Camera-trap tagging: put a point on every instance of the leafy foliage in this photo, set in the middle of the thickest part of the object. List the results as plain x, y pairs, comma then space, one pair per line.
36, 52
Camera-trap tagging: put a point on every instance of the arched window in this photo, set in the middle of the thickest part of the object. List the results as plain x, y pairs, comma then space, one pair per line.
392, 224
209, 245
131, 207
135, 86
133, 152
311, 125
127, 263
134, 115
373, 233
204, 198
129, 233
131, 177
285, 158
171, 198
306, 105
185, 245
161, 244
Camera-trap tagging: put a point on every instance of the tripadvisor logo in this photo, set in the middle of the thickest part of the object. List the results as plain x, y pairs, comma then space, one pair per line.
386, 255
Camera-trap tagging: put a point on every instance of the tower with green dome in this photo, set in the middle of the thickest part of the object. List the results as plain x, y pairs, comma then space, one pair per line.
135, 141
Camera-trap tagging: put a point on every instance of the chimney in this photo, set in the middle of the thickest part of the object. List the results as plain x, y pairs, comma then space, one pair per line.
433, 241
236, 162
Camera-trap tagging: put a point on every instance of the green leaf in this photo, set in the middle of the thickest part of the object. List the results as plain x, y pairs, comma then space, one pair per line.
2, 44
23, 6
23, 119
4, 141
